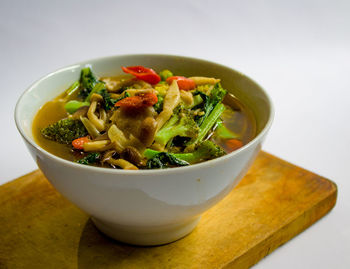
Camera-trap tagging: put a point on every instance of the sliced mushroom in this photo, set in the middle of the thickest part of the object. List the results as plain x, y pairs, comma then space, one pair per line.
118, 137
96, 97
82, 111
122, 163
108, 155
99, 122
90, 127
132, 155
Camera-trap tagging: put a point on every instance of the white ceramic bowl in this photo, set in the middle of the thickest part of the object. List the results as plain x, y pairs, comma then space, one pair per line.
145, 207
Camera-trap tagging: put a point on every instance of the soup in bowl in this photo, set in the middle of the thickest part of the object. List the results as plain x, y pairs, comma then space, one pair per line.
150, 144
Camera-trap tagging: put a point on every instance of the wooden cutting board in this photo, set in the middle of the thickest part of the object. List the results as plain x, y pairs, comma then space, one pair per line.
274, 202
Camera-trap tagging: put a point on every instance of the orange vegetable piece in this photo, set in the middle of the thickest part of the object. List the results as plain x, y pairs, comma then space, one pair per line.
234, 144
184, 83
79, 142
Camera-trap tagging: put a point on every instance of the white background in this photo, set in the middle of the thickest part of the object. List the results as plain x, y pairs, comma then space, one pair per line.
299, 51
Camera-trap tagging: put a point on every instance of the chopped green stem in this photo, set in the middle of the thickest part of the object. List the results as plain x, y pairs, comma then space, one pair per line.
205, 151
197, 99
74, 105
150, 153
98, 87
209, 122
188, 157
73, 88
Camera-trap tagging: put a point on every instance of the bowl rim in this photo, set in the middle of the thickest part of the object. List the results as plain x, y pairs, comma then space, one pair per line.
140, 172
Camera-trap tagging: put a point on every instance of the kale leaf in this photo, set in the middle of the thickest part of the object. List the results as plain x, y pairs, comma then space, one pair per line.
163, 160
91, 158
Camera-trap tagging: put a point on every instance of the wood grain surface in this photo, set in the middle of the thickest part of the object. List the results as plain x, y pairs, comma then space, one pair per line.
274, 202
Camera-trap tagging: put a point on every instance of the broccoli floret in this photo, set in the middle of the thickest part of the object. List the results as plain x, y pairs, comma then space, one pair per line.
180, 124
88, 81
91, 158
64, 131
158, 107
206, 150
163, 160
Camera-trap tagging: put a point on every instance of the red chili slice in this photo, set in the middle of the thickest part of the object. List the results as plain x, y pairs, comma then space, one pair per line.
143, 73
184, 83
138, 101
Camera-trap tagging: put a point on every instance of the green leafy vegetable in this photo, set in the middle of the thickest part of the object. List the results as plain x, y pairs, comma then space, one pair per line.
180, 124
208, 123
212, 108
73, 88
88, 81
163, 160
209, 102
158, 107
206, 150
91, 158
97, 88
74, 105
197, 99
64, 131
110, 102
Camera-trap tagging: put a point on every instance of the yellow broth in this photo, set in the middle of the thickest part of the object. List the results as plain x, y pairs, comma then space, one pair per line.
49, 113
238, 119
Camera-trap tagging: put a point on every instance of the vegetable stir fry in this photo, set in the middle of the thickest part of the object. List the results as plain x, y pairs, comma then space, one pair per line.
147, 120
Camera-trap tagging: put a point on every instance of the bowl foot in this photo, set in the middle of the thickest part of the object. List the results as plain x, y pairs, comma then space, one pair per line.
146, 236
